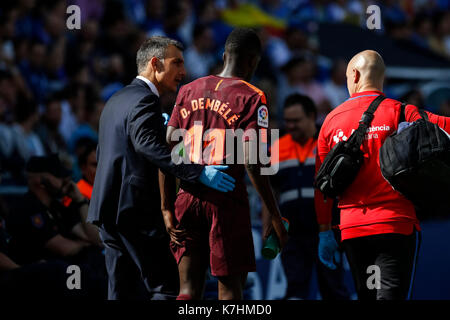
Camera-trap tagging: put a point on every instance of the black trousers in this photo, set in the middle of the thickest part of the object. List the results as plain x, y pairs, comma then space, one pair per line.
383, 265
140, 265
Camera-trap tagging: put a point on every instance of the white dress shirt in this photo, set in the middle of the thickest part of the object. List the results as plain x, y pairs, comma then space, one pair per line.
150, 84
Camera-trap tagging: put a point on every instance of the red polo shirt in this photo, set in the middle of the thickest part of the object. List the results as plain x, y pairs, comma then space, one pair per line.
370, 205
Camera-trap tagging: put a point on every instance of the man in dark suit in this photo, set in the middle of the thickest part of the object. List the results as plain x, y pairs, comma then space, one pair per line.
125, 202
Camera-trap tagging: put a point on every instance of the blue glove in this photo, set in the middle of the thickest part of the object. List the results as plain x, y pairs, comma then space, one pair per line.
166, 118
328, 249
212, 177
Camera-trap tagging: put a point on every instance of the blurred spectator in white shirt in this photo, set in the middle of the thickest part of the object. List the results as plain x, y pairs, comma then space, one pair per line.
199, 57
71, 108
27, 143
336, 87
300, 77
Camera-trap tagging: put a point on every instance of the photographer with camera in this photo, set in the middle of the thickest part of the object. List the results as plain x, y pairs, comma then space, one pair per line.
43, 228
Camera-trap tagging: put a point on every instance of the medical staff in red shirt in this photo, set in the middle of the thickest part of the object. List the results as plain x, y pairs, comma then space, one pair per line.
379, 227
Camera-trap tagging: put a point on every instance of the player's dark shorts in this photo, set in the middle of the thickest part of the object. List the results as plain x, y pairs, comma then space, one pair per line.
220, 230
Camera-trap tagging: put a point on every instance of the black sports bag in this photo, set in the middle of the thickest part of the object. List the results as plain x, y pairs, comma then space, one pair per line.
342, 163
416, 162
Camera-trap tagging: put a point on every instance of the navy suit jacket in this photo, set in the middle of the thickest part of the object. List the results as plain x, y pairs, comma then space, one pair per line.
130, 151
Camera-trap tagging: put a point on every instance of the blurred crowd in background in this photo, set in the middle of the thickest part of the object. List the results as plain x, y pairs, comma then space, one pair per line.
54, 82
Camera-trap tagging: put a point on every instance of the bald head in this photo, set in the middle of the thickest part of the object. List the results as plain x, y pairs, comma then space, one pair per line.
365, 72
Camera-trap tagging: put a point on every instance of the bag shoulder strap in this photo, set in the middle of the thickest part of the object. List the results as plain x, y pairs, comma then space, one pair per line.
373, 107
402, 113
357, 136
423, 114
402, 118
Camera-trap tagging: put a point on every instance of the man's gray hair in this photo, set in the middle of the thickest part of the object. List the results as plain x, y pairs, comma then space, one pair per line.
154, 47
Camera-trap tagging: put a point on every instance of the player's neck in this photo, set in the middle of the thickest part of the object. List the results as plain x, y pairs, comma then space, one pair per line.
233, 71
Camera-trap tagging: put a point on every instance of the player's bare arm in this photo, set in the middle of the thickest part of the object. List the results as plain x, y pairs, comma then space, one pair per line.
167, 185
262, 186
266, 217
169, 133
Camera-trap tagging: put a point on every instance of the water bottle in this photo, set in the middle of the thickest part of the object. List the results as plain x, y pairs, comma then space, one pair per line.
271, 247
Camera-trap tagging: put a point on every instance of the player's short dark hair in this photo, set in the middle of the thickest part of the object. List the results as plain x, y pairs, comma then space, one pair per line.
309, 107
154, 47
243, 42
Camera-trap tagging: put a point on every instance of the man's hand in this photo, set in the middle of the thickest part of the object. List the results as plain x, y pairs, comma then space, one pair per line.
70, 189
267, 230
328, 249
176, 236
212, 177
280, 230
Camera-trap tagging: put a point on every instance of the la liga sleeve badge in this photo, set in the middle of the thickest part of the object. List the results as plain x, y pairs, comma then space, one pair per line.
263, 116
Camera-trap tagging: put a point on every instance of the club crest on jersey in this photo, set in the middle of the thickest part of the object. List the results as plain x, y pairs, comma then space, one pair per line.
263, 116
